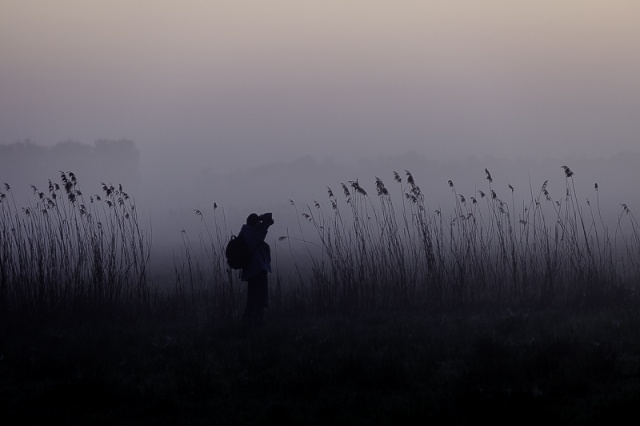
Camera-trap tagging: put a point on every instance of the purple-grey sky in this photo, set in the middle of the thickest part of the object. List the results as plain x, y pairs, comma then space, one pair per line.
230, 83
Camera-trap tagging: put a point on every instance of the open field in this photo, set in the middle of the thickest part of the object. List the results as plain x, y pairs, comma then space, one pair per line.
383, 310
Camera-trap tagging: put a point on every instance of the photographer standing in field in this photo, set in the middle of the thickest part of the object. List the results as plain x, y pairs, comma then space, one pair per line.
255, 273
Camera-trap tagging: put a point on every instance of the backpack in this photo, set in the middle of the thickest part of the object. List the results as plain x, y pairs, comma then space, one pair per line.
237, 253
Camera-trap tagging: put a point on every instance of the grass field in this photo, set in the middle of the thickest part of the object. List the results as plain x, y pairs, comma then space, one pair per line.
390, 312
579, 367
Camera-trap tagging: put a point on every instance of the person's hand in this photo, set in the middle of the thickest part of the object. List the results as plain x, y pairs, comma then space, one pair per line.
267, 218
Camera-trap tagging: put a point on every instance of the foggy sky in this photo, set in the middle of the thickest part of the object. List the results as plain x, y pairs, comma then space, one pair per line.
228, 84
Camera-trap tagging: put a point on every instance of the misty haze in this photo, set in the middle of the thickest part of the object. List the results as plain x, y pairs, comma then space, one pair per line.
454, 188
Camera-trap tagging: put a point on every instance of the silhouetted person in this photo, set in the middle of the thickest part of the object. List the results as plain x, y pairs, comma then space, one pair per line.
254, 233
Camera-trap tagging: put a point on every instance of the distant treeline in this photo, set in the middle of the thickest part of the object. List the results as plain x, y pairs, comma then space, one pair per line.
115, 161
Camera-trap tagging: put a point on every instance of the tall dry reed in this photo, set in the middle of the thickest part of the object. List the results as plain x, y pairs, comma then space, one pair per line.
378, 252
64, 251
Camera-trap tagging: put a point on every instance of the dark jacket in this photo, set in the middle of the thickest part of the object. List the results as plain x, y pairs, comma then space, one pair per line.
261, 252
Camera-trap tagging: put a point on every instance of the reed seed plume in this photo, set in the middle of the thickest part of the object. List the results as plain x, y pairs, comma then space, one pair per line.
410, 180
567, 171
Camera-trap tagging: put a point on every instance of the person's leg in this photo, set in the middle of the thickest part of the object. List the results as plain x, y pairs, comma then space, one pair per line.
261, 295
250, 309
257, 297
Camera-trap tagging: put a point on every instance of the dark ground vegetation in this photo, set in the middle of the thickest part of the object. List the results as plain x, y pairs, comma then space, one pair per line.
563, 366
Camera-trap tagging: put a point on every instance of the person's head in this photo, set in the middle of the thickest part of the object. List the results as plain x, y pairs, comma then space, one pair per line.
253, 219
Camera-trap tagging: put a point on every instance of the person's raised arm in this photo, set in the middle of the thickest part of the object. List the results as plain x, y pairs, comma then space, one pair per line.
267, 219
